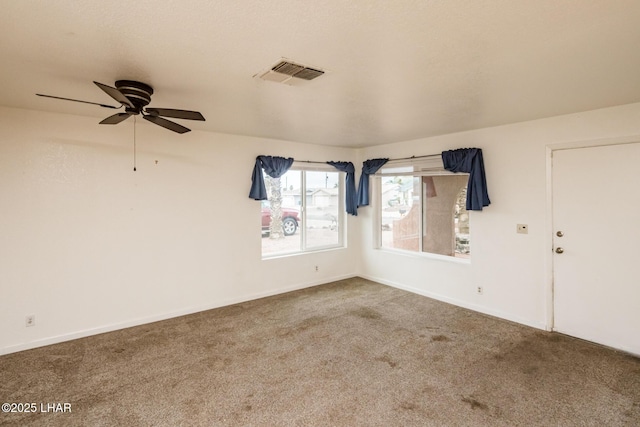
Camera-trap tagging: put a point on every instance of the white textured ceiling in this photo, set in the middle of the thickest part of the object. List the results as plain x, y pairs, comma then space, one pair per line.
396, 70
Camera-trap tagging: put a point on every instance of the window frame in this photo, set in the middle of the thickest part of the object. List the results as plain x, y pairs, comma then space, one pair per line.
303, 248
410, 168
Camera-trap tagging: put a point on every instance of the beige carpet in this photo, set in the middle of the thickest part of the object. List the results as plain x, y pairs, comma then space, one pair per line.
349, 353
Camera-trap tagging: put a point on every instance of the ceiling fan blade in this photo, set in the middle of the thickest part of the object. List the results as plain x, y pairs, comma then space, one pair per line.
78, 100
115, 119
115, 94
176, 114
166, 124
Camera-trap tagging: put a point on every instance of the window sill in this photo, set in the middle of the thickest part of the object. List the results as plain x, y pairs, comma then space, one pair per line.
307, 252
426, 255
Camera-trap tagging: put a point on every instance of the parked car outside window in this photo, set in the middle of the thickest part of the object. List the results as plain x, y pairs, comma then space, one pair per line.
290, 220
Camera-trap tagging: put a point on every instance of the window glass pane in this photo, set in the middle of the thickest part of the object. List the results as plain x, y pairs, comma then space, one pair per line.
400, 212
281, 218
304, 212
322, 209
461, 219
425, 214
442, 211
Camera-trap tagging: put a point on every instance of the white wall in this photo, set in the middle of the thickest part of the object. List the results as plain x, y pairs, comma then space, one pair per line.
87, 245
514, 269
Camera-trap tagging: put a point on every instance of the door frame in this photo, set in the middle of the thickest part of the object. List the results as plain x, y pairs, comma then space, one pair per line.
549, 226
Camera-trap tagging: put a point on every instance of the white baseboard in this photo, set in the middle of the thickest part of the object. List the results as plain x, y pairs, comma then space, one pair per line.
459, 303
164, 316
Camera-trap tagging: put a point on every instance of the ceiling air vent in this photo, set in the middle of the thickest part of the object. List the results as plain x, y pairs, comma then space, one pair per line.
289, 73
288, 68
308, 74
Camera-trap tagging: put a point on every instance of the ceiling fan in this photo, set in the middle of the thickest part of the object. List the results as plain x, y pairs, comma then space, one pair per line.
134, 97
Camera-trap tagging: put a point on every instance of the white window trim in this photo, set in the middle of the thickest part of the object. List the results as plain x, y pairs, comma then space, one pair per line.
420, 167
426, 166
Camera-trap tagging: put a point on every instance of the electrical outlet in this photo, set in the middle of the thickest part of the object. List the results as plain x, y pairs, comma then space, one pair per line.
30, 320
479, 290
317, 268
522, 229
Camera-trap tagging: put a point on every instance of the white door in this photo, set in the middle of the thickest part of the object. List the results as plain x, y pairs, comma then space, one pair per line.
596, 220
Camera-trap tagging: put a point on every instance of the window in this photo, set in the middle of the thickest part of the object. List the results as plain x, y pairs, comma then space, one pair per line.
422, 209
305, 211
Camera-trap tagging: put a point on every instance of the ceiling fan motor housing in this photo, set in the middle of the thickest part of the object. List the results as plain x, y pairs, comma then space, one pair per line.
138, 93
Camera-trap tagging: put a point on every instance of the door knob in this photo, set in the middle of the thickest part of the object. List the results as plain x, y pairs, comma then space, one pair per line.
559, 234
559, 250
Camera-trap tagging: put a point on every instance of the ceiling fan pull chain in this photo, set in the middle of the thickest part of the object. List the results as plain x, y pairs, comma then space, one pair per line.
134, 143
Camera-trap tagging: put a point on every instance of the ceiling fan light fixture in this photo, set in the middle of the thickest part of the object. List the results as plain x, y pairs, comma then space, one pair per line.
138, 93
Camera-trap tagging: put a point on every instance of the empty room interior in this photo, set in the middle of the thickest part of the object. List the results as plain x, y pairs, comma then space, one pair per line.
319, 213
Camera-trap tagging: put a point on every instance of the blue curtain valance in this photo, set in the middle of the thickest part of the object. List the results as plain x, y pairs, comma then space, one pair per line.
350, 181
369, 167
469, 160
273, 166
